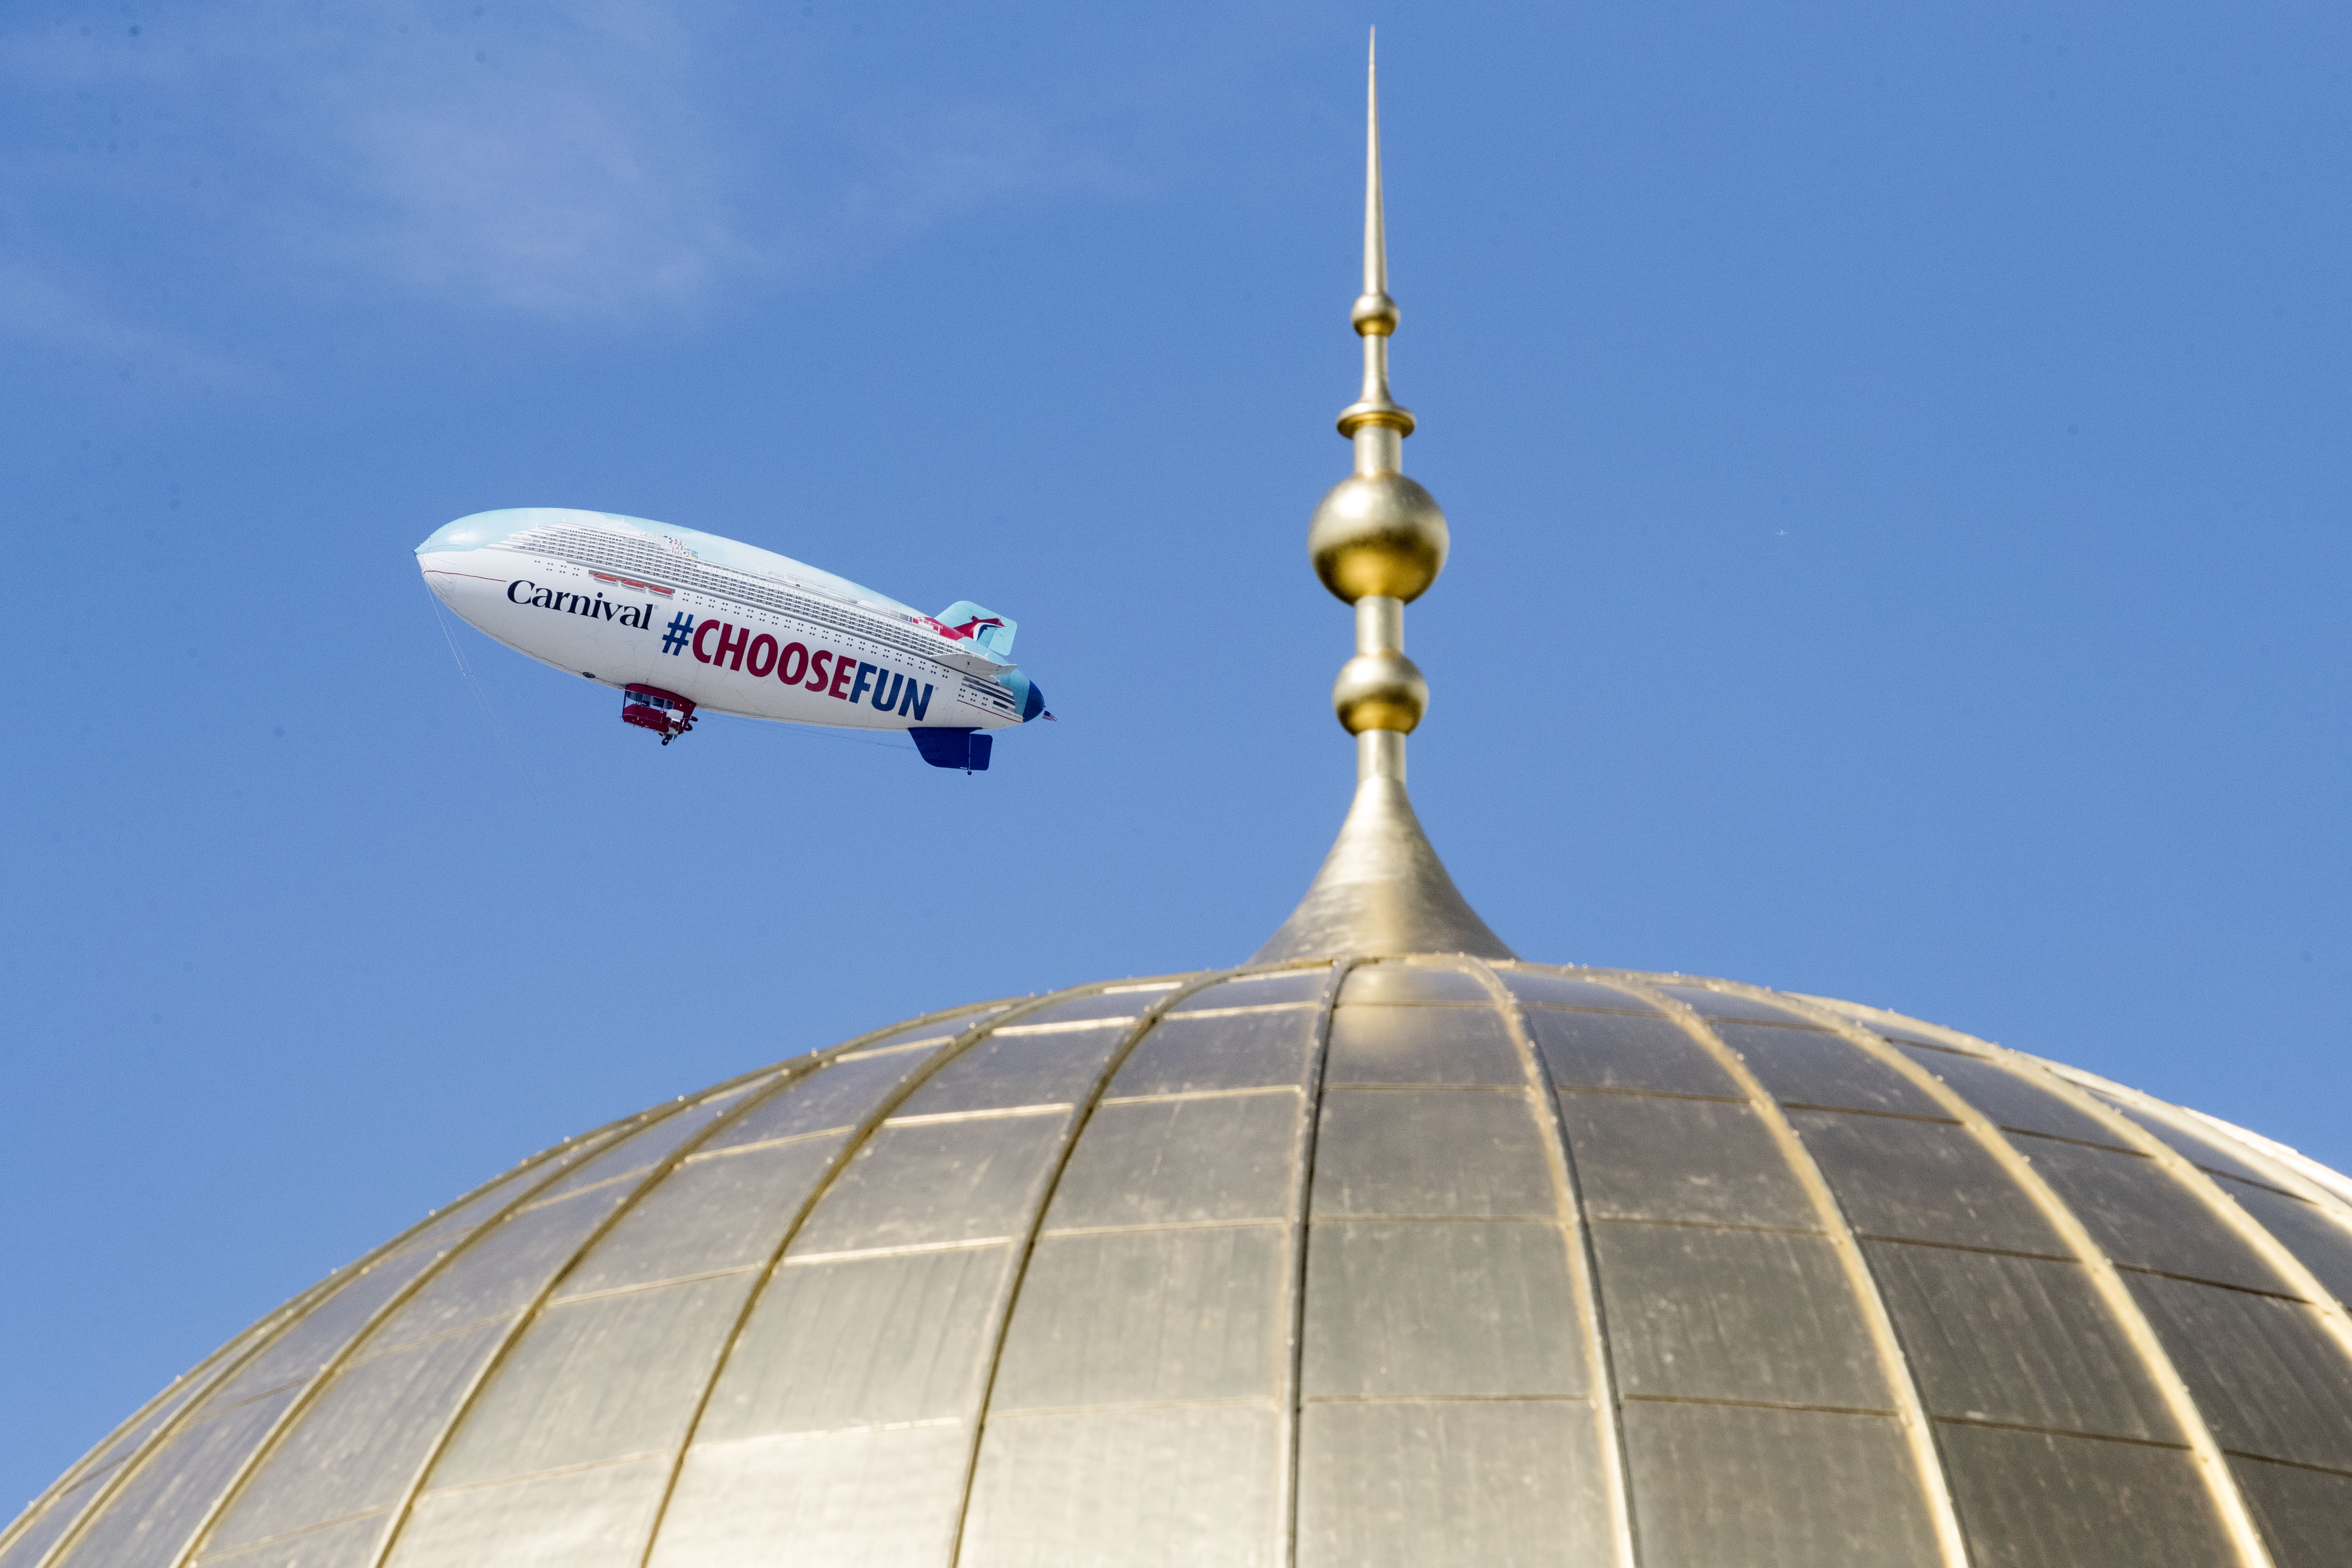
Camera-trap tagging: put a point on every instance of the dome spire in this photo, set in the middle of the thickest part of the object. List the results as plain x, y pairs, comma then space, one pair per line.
1375, 314
1378, 541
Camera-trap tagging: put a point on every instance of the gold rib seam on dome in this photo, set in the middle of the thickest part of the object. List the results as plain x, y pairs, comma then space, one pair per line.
1192, 1013
2060, 1137
246, 1548
932, 1042
2221, 1175
439, 1336
1550, 1219
1133, 988
1763, 1405
2216, 1284
1010, 1301
813, 1434
561, 1300
1375, 1087
448, 1241
1575, 1220
1154, 1226
1927, 1460
1066, 1027
201, 1416
1449, 1399
1858, 1111
1650, 1093
74, 1483
592, 1187
1175, 1097
463, 1487
1237, 1402
701, 1155
1601, 1011
1705, 1225
2131, 1319
727, 1091
2290, 1464
1292, 1385
2068, 1432
1917, 1045
993, 1113
1970, 1247
911, 1249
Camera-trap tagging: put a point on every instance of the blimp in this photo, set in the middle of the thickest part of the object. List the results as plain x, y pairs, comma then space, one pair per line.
683, 623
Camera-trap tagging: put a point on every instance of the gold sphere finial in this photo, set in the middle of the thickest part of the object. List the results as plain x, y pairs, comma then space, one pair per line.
1378, 533
1382, 689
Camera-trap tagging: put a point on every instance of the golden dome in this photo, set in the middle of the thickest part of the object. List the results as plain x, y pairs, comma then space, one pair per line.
1432, 1259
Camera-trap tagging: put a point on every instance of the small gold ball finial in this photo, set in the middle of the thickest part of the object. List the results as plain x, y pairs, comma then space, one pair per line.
1373, 315
1382, 689
1378, 533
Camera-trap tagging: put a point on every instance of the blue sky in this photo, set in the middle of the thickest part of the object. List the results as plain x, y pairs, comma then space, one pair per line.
1895, 455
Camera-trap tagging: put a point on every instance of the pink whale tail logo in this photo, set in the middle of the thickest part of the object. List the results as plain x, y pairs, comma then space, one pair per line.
968, 622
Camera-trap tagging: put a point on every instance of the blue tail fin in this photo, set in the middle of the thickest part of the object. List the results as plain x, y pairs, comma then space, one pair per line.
985, 626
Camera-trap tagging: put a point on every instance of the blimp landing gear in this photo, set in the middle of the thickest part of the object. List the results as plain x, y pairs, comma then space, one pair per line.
650, 707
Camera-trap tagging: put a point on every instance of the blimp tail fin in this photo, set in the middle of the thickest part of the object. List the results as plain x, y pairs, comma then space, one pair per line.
985, 627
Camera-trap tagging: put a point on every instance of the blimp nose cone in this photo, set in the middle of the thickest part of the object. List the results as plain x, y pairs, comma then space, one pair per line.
1034, 705
437, 575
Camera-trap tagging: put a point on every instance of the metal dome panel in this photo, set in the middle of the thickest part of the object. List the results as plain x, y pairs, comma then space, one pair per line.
1406, 1261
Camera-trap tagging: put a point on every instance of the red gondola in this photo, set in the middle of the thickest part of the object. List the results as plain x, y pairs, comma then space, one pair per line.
666, 713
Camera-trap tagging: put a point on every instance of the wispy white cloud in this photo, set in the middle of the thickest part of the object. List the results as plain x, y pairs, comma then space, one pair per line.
575, 180
914, 169
38, 308
572, 159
